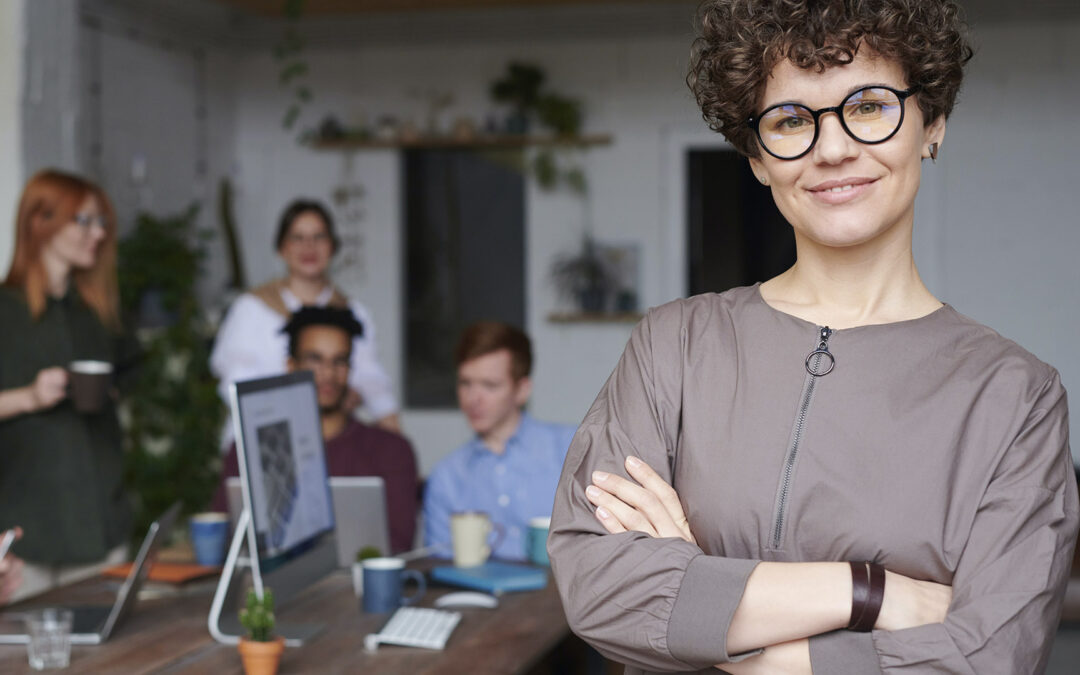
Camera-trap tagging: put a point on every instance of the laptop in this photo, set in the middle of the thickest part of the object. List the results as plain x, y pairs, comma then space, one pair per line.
92, 625
359, 514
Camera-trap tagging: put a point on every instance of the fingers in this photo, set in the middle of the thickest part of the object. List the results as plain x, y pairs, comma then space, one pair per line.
647, 512
50, 386
609, 522
54, 377
621, 515
651, 481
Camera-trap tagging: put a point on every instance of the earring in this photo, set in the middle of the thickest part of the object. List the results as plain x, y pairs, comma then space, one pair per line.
764, 181
933, 152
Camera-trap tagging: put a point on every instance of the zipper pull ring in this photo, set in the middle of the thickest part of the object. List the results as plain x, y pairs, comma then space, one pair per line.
822, 351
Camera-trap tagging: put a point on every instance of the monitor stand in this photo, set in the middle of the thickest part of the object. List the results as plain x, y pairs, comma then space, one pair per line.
287, 580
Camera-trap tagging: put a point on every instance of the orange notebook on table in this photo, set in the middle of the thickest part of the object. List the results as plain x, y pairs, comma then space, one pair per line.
169, 573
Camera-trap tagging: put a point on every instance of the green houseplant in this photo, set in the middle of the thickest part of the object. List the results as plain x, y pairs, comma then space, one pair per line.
522, 88
172, 415
260, 650
584, 278
358, 567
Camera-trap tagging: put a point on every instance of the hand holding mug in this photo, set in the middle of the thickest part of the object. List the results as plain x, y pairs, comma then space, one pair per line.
48, 388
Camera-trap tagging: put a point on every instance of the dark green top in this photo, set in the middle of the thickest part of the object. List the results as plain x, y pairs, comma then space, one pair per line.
61, 472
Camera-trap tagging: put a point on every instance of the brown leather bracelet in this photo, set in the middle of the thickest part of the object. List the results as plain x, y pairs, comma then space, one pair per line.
860, 592
875, 596
867, 585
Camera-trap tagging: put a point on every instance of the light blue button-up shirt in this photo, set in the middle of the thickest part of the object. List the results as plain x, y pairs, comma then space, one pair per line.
511, 488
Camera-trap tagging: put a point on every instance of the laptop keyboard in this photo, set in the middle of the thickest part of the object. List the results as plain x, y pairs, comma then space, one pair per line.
415, 627
89, 619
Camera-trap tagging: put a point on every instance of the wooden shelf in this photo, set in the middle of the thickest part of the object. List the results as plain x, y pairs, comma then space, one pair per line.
595, 317
450, 143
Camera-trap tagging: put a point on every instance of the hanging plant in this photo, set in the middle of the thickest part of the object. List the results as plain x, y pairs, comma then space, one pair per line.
292, 66
522, 88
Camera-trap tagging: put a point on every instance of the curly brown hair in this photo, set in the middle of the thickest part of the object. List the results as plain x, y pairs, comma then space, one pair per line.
741, 41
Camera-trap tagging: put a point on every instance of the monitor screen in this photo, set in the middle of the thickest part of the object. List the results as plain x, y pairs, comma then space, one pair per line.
282, 461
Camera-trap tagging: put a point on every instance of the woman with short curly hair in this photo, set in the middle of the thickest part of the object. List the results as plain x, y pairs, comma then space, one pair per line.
831, 471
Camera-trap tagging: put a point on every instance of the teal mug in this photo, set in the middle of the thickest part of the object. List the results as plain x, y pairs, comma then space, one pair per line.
536, 540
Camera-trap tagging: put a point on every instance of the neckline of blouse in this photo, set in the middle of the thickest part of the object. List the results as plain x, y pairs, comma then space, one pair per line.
905, 323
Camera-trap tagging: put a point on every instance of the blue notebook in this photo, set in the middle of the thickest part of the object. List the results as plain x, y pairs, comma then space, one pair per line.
492, 577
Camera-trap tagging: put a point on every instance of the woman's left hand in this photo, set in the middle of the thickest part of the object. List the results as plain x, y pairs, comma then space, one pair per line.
650, 506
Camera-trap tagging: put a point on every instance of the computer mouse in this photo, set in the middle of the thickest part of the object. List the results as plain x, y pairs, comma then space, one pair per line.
467, 599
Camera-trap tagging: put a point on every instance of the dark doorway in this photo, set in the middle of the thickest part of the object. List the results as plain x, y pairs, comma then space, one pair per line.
464, 259
736, 235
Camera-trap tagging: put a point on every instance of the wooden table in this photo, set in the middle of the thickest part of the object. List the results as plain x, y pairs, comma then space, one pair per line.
169, 635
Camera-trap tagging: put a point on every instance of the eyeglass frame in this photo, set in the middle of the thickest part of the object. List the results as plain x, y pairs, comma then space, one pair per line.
902, 95
86, 221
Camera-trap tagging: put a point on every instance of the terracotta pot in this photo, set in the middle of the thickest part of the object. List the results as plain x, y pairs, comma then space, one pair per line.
261, 658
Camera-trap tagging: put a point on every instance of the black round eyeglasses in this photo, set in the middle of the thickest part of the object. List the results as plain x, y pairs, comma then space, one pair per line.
870, 115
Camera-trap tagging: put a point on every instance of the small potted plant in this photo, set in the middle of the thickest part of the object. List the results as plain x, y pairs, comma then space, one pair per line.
261, 649
358, 567
584, 278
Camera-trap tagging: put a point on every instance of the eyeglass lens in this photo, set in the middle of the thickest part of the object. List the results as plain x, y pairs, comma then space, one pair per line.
87, 220
869, 115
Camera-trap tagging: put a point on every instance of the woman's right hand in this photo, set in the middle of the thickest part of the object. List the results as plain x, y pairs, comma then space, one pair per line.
909, 602
48, 388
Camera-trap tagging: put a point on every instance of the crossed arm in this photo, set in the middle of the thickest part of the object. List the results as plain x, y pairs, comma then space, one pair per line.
783, 603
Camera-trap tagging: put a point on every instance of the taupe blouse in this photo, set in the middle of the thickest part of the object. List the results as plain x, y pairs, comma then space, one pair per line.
935, 447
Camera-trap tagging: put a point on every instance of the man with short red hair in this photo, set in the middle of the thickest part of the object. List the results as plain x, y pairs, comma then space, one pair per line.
510, 469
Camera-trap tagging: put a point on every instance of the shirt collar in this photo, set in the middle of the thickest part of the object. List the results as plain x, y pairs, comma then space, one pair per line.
293, 303
478, 447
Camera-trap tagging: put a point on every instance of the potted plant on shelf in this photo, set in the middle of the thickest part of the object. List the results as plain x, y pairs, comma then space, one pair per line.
261, 649
584, 278
520, 89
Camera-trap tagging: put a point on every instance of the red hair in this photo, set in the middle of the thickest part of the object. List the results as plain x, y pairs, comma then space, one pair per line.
49, 202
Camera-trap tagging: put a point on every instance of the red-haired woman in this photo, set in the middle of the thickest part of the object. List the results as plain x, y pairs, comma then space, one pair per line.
60, 470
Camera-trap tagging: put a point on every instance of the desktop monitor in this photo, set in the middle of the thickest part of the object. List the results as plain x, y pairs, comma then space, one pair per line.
282, 463
289, 522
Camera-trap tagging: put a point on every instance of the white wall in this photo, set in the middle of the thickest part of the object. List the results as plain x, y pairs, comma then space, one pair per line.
996, 232
12, 35
1008, 229
632, 88
156, 112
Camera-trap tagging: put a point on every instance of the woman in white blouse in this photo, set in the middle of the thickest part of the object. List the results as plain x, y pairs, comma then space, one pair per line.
250, 343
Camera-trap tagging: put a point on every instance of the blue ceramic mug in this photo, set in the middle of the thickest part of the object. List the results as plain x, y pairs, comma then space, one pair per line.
384, 579
209, 532
536, 540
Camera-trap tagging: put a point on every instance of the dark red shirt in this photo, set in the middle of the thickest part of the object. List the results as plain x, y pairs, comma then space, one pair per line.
361, 450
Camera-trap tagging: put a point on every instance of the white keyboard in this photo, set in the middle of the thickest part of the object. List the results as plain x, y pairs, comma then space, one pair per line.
415, 627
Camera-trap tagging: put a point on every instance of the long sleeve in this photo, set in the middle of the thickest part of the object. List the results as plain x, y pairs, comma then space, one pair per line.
1010, 580
657, 604
401, 496
247, 334
437, 509
366, 375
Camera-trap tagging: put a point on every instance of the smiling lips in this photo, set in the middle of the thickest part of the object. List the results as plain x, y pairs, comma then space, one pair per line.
840, 191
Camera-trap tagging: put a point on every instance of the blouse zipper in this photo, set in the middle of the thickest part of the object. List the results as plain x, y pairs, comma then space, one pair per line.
814, 370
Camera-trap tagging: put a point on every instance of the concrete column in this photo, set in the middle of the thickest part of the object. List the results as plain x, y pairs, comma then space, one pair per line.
12, 46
